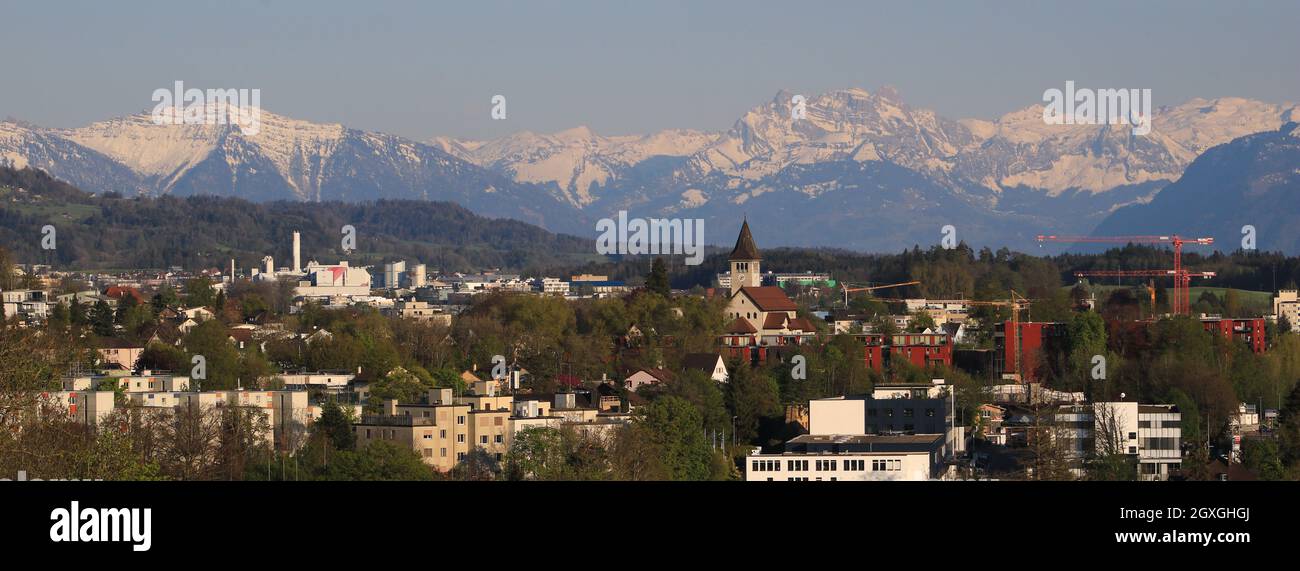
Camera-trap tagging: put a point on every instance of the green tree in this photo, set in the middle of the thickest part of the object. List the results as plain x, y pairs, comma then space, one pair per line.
336, 425
753, 397
921, 321
1288, 430
199, 292
658, 280
1261, 456
77, 313
60, 317
675, 427
210, 340
378, 461
101, 319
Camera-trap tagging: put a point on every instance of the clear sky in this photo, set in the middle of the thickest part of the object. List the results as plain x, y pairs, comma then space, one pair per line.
426, 68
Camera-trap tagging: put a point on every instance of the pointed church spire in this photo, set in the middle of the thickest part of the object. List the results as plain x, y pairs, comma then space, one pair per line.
745, 248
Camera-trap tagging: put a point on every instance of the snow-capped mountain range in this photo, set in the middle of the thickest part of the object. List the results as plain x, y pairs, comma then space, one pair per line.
860, 169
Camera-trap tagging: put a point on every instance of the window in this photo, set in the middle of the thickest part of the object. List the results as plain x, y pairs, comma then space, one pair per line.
499, 439
1132, 436
483, 439
443, 453
460, 419
442, 433
460, 438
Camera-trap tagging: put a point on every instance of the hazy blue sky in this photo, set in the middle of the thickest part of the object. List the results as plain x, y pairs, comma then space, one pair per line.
427, 68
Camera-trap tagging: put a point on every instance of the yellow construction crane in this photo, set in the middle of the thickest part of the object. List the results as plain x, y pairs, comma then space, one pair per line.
1016, 303
848, 290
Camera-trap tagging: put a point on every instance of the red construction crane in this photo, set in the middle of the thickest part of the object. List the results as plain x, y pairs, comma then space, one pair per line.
1182, 278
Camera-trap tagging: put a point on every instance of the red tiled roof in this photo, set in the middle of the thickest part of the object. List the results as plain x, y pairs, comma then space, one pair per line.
801, 324
663, 375
769, 298
116, 292
741, 325
782, 321
774, 321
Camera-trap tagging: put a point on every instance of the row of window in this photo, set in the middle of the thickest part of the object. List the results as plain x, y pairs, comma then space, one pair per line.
851, 465
907, 412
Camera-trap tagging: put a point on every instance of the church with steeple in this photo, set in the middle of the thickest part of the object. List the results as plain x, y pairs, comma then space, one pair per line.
762, 318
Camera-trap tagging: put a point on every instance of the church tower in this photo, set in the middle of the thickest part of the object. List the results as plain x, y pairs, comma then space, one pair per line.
745, 270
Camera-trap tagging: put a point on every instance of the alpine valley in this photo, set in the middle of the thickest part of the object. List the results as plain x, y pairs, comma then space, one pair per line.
862, 170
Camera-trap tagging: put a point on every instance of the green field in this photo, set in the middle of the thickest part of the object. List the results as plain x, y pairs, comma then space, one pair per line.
1261, 300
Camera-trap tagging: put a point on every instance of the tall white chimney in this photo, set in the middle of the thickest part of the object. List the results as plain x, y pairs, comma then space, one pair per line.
297, 253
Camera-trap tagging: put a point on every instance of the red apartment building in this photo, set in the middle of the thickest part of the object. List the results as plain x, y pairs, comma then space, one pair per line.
920, 349
1033, 338
1247, 330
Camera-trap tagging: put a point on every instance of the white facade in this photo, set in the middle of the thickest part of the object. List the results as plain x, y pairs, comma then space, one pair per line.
851, 458
1152, 433
87, 407
836, 415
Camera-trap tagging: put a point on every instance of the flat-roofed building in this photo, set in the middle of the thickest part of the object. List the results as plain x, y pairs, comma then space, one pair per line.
1152, 434
1286, 305
439, 431
86, 407
851, 457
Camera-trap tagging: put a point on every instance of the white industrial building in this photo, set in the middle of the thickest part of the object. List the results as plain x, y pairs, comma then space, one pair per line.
326, 281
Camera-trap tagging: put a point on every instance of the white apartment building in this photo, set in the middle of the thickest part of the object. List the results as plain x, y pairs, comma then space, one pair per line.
329, 381
29, 303
844, 457
143, 383
1287, 304
1152, 433
286, 411
87, 407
